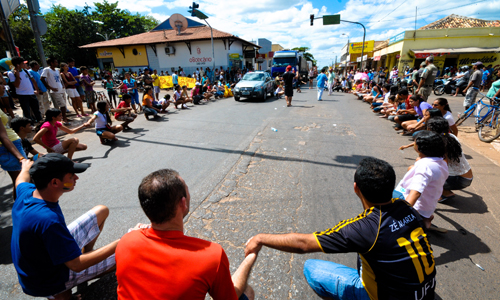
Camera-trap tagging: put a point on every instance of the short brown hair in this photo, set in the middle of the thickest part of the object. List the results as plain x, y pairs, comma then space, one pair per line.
159, 194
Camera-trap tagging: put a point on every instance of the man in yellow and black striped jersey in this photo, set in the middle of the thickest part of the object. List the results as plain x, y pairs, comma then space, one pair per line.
395, 258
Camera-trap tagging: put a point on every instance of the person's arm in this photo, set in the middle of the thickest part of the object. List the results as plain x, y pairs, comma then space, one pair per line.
44, 81
291, 242
72, 82
91, 258
468, 85
240, 277
35, 86
38, 139
407, 146
89, 122
413, 197
74, 130
454, 129
24, 175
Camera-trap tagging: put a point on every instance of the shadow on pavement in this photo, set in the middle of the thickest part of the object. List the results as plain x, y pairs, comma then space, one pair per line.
460, 243
104, 288
464, 205
352, 160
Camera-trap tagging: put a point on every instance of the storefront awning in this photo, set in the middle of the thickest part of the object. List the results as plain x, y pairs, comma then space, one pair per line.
424, 53
376, 58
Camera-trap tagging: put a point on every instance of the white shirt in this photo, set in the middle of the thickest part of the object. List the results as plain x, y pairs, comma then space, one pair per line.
101, 120
427, 177
449, 117
458, 168
25, 87
53, 78
177, 95
386, 97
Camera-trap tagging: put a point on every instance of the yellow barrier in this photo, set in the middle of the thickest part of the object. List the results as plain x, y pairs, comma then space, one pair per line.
166, 82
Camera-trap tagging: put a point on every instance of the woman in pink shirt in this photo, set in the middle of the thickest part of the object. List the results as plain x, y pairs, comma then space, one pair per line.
47, 135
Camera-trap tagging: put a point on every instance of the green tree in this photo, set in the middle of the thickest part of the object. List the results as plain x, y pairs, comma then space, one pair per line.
20, 27
308, 56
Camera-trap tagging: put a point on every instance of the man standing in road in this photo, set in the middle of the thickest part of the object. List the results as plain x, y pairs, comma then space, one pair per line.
26, 89
385, 236
427, 79
321, 84
43, 95
51, 78
288, 80
474, 83
175, 80
160, 262
146, 77
156, 84
51, 258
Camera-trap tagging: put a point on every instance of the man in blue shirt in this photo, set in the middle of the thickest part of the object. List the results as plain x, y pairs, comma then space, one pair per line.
321, 84
175, 79
51, 258
43, 95
76, 74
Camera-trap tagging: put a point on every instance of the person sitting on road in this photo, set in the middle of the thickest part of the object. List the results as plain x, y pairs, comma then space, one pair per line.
149, 108
280, 91
23, 126
196, 93
124, 112
206, 92
51, 258
375, 93
185, 94
386, 92
387, 269
103, 124
422, 185
167, 269
47, 135
444, 107
390, 108
420, 106
178, 98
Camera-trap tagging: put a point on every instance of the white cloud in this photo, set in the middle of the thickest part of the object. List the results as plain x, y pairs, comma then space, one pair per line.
286, 22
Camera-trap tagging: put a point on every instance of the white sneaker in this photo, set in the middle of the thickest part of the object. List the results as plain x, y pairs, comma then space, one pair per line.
184, 106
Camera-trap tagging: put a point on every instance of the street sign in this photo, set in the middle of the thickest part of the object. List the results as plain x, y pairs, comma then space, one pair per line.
42, 25
331, 20
9, 6
36, 5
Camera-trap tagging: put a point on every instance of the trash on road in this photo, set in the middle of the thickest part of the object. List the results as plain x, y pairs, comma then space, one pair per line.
284, 149
334, 124
274, 129
275, 108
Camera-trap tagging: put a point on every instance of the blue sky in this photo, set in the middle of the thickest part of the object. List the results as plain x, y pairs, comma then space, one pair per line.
286, 22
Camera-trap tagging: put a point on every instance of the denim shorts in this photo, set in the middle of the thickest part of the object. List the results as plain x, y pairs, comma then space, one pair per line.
100, 131
332, 280
454, 183
8, 161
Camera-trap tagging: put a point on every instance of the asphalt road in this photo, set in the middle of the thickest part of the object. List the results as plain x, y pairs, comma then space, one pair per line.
245, 178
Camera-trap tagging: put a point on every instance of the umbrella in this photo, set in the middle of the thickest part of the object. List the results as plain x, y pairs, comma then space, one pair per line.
361, 76
6, 64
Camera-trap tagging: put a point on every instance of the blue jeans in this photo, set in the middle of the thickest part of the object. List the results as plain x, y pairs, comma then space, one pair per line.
332, 280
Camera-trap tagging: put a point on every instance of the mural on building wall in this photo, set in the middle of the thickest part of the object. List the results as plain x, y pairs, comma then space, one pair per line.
167, 83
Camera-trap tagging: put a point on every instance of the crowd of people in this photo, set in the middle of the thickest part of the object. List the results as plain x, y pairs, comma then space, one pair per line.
156, 260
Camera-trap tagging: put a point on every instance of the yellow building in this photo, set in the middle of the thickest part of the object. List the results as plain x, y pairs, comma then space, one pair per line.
469, 40
276, 47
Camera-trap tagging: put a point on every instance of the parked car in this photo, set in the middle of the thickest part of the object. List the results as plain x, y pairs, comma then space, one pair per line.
254, 85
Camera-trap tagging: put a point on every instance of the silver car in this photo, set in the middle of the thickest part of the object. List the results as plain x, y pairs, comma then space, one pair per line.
256, 84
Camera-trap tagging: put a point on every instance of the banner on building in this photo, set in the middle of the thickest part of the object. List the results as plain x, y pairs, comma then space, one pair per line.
167, 83
486, 58
358, 47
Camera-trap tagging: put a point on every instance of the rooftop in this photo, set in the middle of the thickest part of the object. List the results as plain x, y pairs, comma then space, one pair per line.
164, 33
456, 21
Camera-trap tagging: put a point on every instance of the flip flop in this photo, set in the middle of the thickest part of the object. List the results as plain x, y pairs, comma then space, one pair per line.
437, 229
443, 198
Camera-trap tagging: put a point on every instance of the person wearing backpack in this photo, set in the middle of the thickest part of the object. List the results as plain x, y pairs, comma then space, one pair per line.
24, 87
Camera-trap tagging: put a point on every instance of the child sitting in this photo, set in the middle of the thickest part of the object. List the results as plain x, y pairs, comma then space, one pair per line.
148, 105
422, 185
22, 126
103, 127
178, 98
124, 112
279, 92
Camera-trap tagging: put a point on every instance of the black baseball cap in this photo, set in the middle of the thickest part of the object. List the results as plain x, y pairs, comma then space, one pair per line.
55, 165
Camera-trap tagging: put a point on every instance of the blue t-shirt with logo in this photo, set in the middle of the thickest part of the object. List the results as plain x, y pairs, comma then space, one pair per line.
36, 76
41, 244
322, 79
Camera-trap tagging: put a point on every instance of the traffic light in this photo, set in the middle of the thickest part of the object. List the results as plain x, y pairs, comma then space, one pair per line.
193, 9
312, 20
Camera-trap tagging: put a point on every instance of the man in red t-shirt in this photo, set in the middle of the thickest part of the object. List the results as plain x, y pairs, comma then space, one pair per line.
160, 262
123, 112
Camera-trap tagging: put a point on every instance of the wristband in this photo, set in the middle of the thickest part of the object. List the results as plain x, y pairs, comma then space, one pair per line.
21, 159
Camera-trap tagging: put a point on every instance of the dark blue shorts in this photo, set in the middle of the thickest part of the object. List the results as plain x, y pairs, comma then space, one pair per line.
100, 131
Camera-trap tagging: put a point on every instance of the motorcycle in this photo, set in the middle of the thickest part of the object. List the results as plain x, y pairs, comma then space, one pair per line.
449, 87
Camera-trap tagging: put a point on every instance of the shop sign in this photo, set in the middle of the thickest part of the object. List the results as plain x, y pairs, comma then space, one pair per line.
249, 54
398, 56
397, 38
270, 54
105, 54
485, 58
260, 58
200, 60
425, 55
358, 59
376, 58
358, 47
234, 56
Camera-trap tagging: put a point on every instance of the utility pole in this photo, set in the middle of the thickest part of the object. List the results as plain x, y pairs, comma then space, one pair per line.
36, 31
8, 34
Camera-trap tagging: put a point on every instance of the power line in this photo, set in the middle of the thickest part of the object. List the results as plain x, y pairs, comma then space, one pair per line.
392, 11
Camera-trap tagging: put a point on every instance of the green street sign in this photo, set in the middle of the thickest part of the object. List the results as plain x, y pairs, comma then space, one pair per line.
331, 20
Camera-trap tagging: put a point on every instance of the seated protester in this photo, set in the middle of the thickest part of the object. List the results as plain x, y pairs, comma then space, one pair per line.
280, 91
178, 98
22, 126
123, 112
196, 93
47, 135
103, 124
375, 93
444, 107
185, 95
386, 90
386, 110
400, 106
51, 258
420, 106
166, 269
148, 106
406, 114
460, 173
359, 88
422, 186
165, 101
337, 87
393, 91
345, 85
206, 92
386, 267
